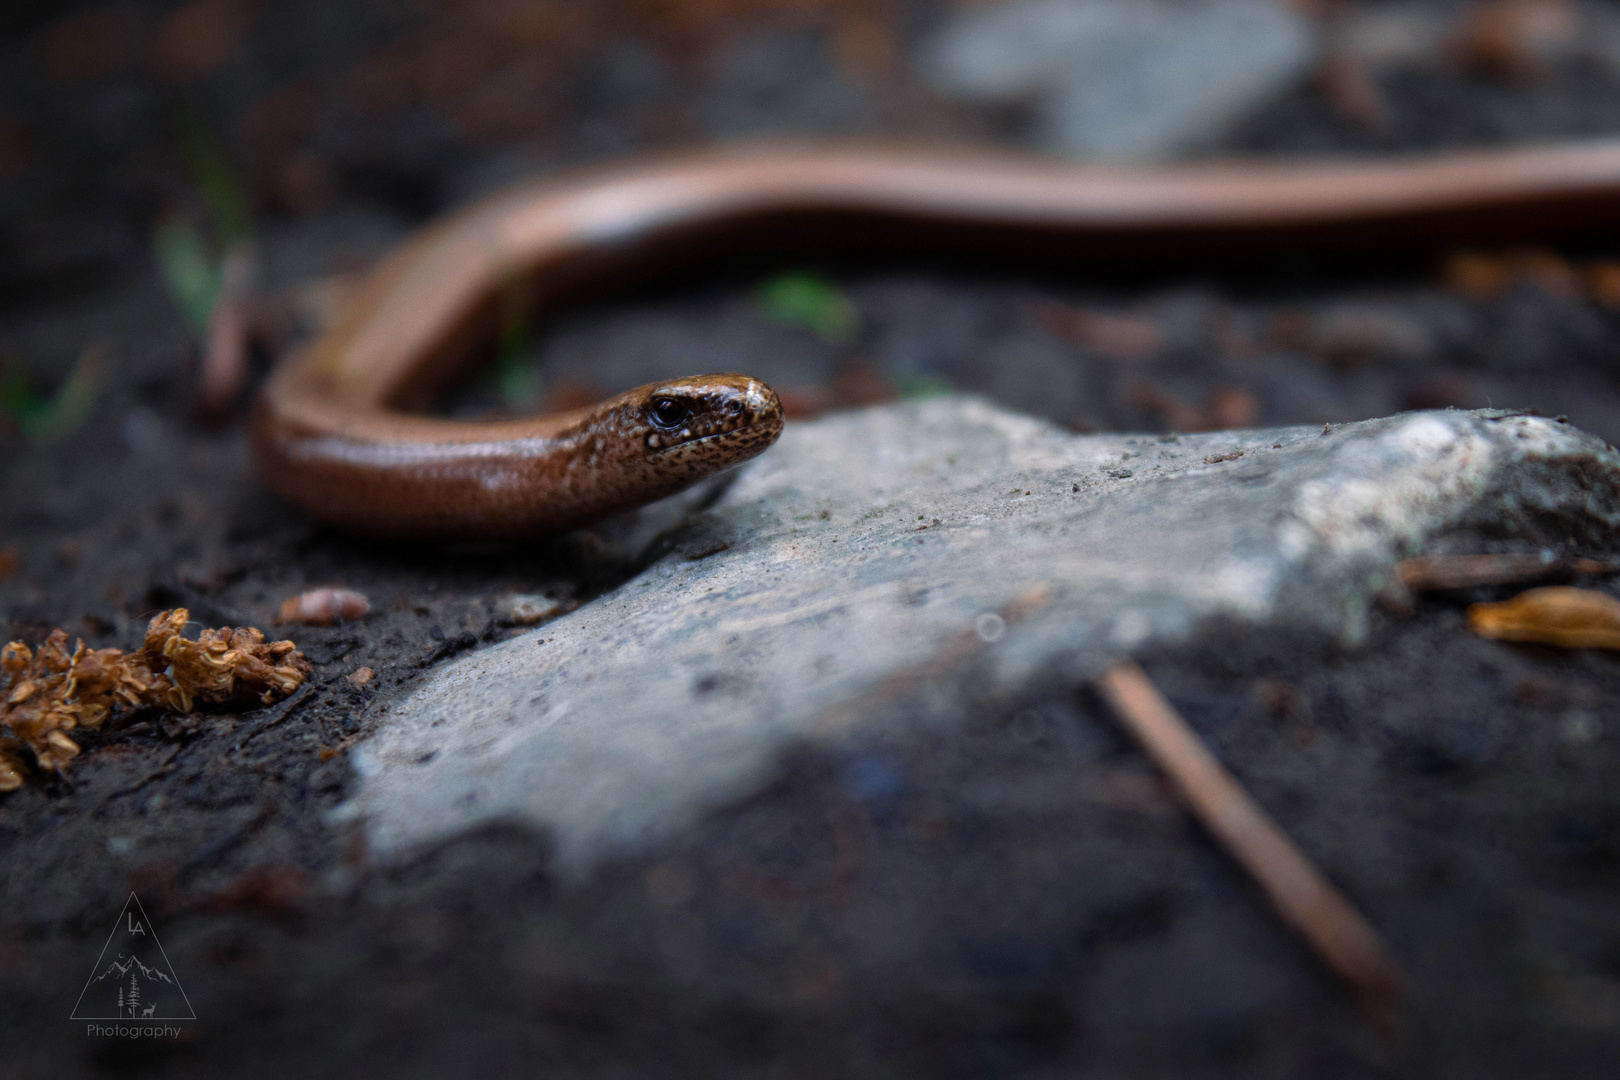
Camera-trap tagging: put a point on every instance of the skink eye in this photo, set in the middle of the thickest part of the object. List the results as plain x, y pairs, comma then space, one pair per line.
668, 412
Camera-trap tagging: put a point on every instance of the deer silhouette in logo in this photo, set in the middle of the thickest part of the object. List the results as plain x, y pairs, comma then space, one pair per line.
148, 1010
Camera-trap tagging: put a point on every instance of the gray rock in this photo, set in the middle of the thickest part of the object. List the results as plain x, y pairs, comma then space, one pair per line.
882, 564
1181, 88
1125, 79
1011, 52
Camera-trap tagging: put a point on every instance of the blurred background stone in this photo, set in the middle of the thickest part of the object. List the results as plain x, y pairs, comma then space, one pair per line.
1125, 79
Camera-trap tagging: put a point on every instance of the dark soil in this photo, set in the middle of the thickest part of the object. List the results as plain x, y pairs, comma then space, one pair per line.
1018, 896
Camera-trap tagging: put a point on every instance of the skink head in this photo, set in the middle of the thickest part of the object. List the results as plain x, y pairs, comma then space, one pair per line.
707, 421
658, 439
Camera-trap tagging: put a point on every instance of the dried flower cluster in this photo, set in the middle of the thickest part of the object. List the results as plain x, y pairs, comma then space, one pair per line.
45, 694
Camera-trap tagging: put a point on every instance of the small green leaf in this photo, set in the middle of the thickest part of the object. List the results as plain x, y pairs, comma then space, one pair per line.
515, 374
192, 273
192, 277
18, 400
923, 386
513, 371
39, 417
803, 299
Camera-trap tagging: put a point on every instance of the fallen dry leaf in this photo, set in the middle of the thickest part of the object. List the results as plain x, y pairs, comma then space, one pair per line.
1561, 615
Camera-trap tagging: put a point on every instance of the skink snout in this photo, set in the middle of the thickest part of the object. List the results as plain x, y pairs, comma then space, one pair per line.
760, 407
712, 410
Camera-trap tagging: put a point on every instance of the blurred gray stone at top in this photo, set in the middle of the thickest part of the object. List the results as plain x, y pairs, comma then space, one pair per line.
1011, 52
1124, 79
890, 566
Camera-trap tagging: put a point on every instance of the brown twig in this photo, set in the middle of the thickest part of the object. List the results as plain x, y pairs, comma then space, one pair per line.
225, 356
1440, 572
1305, 899
1349, 86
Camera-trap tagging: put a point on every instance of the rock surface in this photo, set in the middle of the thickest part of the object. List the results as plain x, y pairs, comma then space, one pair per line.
877, 566
1124, 79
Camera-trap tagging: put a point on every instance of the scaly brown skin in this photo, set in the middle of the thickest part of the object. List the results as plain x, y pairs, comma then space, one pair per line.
329, 435
527, 478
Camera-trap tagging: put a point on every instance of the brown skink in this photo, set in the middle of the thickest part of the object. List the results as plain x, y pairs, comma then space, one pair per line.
331, 434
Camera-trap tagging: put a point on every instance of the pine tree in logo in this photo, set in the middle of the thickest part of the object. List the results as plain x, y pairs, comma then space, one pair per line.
133, 998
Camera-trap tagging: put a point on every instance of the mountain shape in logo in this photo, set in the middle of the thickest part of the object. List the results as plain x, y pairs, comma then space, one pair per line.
132, 978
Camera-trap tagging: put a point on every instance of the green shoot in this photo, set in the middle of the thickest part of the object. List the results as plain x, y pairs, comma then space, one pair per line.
923, 386
192, 277
41, 417
191, 266
803, 299
513, 370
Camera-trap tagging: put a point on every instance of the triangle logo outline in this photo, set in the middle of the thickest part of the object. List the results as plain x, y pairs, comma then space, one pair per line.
163, 983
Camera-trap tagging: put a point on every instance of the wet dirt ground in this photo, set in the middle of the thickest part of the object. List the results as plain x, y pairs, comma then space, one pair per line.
1020, 896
